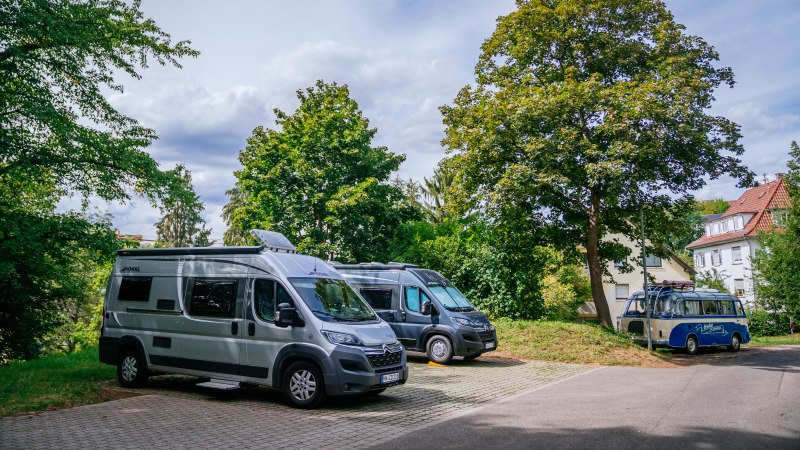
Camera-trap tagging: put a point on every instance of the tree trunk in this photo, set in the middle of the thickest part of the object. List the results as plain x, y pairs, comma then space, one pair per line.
593, 260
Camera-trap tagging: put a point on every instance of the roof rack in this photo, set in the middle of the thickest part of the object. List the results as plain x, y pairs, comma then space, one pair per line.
373, 266
189, 251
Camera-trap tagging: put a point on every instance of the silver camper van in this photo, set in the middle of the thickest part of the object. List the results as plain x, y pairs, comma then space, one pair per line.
246, 315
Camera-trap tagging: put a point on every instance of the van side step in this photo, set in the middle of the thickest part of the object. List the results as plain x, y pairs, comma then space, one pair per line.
223, 385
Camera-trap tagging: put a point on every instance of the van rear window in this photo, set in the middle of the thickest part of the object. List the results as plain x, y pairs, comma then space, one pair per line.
378, 298
135, 289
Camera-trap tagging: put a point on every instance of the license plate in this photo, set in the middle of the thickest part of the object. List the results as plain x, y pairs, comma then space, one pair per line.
489, 345
390, 377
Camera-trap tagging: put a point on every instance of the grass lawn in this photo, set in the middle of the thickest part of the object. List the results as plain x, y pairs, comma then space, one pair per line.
55, 381
572, 343
789, 339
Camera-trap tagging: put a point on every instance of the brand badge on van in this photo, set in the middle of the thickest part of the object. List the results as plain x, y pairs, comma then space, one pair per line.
130, 269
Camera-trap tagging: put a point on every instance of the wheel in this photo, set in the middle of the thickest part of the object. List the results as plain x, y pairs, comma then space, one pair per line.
472, 357
374, 393
736, 343
131, 369
303, 386
691, 345
440, 350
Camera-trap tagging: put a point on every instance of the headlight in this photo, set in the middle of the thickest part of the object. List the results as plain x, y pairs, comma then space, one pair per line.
341, 338
465, 322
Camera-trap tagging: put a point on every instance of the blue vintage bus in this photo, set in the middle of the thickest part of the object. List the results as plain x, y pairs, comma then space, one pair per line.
685, 317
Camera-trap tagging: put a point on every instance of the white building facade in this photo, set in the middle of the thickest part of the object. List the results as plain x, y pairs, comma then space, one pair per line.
730, 241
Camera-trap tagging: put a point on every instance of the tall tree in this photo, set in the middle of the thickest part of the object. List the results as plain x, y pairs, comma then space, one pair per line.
58, 136
233, 234
776, 267
583, 111
436, 191
181, 224
319, 180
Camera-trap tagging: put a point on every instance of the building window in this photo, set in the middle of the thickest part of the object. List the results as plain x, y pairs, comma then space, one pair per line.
779, 218
619, 264
738, 286
622, 291
213, 298
699, 259
652, 261
716, 258
736, 254
738, 222
135, 289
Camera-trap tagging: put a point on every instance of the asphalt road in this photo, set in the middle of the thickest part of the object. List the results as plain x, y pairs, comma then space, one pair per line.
748, 400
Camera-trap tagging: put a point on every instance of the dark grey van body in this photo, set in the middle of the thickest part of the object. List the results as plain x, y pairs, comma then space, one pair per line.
398, 292
240, 315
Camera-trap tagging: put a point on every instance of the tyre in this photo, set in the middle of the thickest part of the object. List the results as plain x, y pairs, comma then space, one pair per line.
736, 343
374, 393
691, 345
440, 350
131, 369
303, 386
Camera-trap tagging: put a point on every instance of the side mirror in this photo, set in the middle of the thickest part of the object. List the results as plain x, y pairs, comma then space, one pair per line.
426, 308
285, 316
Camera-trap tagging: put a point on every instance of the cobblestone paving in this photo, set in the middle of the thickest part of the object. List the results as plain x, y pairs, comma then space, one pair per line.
174, 413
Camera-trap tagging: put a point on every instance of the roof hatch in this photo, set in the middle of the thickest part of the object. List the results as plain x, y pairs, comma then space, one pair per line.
274, 241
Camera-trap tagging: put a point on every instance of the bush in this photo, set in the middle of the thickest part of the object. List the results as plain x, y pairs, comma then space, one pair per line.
764, 323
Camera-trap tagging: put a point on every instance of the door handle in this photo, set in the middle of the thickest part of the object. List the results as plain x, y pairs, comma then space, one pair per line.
251, 329
234, 327
403, 316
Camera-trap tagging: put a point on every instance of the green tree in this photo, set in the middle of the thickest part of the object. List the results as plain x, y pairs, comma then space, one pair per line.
233, 234
715, 206
60, 136
776, 266
319, 180
181, 224
437, 191
584, 110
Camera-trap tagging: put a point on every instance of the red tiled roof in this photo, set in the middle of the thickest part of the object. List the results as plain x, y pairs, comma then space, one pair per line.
758, 201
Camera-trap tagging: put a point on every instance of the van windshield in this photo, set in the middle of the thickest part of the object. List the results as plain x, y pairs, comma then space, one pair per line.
451, 298
333, 300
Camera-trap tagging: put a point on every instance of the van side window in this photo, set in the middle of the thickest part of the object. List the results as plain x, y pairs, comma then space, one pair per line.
378, 298
214, 297
135, 289
264, 299
692, 307
710, 307
414, 297
726, 308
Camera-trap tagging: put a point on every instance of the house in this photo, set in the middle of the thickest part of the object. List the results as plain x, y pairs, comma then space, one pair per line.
730, 241
621, 285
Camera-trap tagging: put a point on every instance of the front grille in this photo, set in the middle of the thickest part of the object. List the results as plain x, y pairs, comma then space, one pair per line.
636, 327
486, 335
390, 369
385, 359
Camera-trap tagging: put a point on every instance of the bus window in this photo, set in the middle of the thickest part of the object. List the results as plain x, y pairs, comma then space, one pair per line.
680, 309
739, 309
710, 307
664, 305
726, 308
692, 307
636, 307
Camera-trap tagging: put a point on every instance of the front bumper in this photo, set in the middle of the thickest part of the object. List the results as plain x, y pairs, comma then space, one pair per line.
471, 341
355, 372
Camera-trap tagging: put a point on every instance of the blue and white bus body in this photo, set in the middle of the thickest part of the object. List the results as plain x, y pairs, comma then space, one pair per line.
687, 319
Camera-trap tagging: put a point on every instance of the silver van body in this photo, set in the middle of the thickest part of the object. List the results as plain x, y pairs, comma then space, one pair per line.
216, 313
426, 312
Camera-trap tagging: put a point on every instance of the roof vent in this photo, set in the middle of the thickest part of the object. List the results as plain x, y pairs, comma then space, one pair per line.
274, 241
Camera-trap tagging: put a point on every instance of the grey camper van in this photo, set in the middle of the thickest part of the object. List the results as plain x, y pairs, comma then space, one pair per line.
425, 310
246, 315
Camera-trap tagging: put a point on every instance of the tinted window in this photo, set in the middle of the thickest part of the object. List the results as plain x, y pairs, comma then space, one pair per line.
414, 298
213, 298
378, 298
135, 289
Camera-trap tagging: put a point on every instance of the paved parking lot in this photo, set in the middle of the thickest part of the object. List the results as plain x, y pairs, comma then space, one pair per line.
173, 413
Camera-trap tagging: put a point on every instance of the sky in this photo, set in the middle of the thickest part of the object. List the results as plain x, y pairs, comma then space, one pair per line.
402, 60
